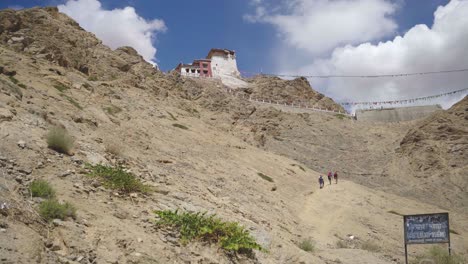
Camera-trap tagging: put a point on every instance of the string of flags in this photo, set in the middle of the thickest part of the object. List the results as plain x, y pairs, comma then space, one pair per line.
355, 76
405, 101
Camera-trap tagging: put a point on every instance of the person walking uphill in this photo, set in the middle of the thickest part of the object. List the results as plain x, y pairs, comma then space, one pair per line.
335, 176
321, 182
329, 177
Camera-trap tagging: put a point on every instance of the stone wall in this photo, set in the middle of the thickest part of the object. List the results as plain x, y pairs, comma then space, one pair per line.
396, 114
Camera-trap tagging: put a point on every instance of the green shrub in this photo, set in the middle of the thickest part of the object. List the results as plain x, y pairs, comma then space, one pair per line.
41, 188
307, 245
117, 179
440, 256
13, 79
180, 126
22, 85
112, 110
229, 236
92, 78
52, 209
172, 116
59, 140
341, 116
61, 87
265, 177
72, 101
13, 88
300, 167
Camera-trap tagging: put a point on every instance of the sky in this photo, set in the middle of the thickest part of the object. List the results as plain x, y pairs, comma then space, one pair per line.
297, 37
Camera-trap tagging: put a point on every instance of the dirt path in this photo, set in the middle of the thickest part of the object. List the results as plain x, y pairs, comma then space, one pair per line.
346, 209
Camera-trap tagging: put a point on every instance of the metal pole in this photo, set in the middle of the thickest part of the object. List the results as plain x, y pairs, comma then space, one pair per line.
404, 238
406, 254
448, 226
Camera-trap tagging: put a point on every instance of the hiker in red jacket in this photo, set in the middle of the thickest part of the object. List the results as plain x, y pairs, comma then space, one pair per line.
329, 177
335, 176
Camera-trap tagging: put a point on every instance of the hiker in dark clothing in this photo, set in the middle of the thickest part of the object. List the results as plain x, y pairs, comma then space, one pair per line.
329, 177
335, 176
321, 182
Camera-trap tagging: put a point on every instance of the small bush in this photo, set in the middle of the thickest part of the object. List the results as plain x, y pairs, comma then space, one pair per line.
92, 78
341, 116
180, 126
61, 87
13, 80
370, 246
265, 177
300, 167
440, 256
59, 140
52, 209
41, 188
13, 88
112, 110
229, 236
172, 116
117, 179
22, 85
307, 245
72, 101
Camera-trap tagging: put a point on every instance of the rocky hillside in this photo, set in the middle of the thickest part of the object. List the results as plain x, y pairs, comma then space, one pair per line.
296, 91
435, 153
196, 148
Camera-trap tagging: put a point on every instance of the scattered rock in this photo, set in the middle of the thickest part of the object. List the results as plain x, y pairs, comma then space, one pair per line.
121, 214
57, 222
161, 190
5, 115
65, 174
26, 171
21, 144
2, 230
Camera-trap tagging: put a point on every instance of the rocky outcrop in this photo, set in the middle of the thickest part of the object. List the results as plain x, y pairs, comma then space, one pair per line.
296, 91
436, 152
45, 33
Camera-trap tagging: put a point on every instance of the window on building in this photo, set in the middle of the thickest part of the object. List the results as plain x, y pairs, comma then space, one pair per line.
205, 72
198, 71
205, 65
193, 70
187, 70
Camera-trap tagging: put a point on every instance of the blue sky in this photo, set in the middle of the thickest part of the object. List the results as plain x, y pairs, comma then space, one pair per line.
298, 37
200, 25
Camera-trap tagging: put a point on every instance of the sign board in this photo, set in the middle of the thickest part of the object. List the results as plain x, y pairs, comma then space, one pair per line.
427, 228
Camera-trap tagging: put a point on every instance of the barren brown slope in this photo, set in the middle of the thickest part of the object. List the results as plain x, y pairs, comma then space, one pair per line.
195, 145
433, 158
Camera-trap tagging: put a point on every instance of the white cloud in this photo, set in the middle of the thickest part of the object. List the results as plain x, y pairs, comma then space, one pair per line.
421, 49
441, 46
117, 27
318, 26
